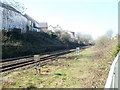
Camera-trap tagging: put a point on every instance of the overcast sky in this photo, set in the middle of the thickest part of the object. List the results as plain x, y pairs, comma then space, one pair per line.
93, 17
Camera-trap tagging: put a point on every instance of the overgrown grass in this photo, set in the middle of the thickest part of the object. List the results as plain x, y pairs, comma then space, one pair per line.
74, 71
104, 58
64, 74
117, 49
87, 70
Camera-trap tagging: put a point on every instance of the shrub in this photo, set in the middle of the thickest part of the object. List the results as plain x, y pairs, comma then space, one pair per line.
101, 41
117, 49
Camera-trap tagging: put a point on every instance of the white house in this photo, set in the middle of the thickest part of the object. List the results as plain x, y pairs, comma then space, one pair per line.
43, 26
13, 19
1, 15
53, 28
32, 24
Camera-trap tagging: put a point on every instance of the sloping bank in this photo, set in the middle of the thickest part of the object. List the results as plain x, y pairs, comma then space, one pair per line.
15, 44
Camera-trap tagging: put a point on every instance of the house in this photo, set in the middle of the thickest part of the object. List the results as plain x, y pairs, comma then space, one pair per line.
43, 26
15, 20
52, 28
32, 25
12, 19
1, 10
72, 34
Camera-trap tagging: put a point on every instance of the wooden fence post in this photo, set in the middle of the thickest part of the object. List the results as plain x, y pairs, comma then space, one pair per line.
36, 57
37, 67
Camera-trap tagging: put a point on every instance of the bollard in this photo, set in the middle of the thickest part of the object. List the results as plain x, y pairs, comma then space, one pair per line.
77, 51
37, 67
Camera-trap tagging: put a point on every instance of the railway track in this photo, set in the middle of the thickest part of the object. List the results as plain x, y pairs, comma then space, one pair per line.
26, 62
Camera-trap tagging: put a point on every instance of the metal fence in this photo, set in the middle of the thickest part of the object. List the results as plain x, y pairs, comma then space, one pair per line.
113, 80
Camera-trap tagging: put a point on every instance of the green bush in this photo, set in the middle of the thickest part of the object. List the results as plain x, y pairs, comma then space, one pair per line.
117, 49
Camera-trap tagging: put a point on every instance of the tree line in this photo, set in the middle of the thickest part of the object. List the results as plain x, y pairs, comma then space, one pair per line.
68, 37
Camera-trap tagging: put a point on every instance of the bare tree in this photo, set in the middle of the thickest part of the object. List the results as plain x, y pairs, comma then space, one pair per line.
85, 39
58, 33
65, 37
15, 4
101, 41
109, 34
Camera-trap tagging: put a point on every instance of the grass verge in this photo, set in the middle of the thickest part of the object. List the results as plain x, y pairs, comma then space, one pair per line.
72, 71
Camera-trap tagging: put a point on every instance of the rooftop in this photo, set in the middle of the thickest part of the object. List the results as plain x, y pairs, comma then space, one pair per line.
43, 24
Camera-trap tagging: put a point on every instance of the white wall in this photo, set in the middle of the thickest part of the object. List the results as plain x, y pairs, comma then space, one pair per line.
1, 10
4, 20
13, 19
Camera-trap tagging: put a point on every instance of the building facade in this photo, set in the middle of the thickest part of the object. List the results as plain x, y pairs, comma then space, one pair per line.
1, 15
43, 26
12, 19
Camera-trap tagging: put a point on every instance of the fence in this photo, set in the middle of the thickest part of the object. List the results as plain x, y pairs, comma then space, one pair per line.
113, 80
